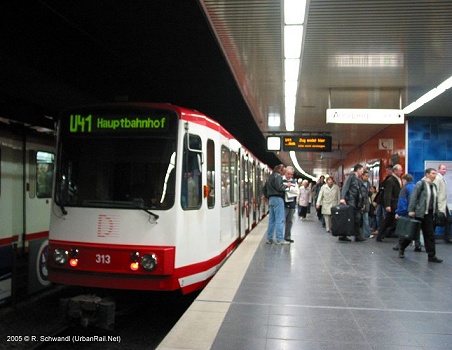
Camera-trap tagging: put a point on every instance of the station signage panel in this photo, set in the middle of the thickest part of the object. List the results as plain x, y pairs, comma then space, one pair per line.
312, 143
365, 116
273, 143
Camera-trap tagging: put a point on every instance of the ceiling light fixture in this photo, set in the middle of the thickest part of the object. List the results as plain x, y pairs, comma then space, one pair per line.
445, 85
294, 13
297, 166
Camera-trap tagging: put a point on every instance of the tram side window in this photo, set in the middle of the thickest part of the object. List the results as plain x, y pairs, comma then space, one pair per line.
44, 174
192, 173
211, 173
225, 177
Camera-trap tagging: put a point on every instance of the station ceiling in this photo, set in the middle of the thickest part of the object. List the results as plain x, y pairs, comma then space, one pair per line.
225, 59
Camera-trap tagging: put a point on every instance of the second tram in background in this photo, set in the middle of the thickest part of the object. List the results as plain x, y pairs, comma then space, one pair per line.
148, 197
26, 173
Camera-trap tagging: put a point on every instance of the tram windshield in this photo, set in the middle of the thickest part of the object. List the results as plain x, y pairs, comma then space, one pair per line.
117, 159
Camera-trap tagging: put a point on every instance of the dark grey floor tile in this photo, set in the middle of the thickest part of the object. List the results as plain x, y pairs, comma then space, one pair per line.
321, 294
243, 329
443, 341
291, 333
226, 342
284, 344
392, 338
344, 346
290, 321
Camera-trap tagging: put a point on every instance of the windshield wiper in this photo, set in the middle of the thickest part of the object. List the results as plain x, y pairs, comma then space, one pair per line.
63, 211
155, 216
136, 204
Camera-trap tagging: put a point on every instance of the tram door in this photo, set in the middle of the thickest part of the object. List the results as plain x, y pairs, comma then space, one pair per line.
258, 195
235, 178
253, 194
242, 204
38, 200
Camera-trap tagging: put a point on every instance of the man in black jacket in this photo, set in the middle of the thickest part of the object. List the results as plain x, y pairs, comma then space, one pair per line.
351, 194
393, 185
380, 211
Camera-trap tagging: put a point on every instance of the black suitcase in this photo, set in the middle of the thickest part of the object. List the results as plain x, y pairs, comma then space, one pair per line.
407, 228
342, 220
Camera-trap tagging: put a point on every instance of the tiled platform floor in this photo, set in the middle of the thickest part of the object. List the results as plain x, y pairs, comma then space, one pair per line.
318, 293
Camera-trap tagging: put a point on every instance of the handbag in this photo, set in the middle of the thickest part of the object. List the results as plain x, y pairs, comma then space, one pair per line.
407, 227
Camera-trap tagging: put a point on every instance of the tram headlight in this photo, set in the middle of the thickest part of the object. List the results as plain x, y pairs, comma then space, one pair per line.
149, 262
60, 256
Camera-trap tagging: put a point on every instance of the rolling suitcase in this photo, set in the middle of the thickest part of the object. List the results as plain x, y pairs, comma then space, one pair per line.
407, 228
342, 220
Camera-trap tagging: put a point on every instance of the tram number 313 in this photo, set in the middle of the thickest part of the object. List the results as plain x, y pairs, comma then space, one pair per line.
103, 259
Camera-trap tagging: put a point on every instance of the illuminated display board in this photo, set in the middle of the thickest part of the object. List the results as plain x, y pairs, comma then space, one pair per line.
273, 143
97, 122
307, 143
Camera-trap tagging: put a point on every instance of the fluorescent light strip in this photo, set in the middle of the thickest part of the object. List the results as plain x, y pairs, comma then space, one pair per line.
445, 85
294, 11
294, 159
293, 35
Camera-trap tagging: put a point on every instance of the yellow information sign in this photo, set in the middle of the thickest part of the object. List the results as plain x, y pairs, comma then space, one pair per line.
307, 143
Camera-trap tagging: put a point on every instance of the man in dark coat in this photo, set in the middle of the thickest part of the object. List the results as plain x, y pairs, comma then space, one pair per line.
351, 194
393, 185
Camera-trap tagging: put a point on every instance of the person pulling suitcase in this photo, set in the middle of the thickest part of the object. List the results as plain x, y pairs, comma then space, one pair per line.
351, 194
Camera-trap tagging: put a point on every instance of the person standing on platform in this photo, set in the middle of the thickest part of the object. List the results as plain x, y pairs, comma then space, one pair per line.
372, 210
367, 203
316, 191
351, 194
329, 196
393, 185
423, 206
304, 199
276, 191
290, 202
381, 212
441, 185
402, 206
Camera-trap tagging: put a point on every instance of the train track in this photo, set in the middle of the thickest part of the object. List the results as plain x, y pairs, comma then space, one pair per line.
142, 320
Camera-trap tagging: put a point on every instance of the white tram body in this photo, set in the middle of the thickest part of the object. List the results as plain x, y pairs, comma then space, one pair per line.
148, 197
26, 174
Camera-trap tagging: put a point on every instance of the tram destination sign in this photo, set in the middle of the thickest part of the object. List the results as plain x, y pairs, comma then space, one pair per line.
311, 143
94, 123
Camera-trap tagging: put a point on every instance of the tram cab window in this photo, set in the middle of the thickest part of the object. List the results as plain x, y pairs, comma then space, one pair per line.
44, 174
192, 173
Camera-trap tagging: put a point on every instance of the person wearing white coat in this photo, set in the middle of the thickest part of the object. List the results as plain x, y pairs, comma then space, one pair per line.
329, 196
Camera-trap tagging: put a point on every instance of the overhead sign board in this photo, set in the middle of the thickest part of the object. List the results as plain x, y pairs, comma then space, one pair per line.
307, 143
273, 143
365, 116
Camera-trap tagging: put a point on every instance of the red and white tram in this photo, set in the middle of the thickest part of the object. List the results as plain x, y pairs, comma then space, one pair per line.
26, 172
148, 197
